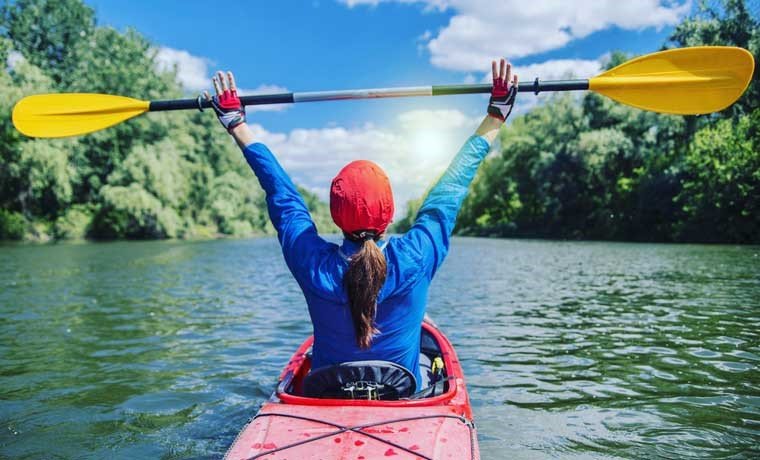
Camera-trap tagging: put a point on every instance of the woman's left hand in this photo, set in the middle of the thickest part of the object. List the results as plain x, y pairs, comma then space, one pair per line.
226, 102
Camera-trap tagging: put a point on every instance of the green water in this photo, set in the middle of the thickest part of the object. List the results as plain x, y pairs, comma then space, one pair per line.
571, 350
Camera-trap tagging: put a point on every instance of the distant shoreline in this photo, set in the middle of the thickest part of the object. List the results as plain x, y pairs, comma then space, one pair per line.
335, 237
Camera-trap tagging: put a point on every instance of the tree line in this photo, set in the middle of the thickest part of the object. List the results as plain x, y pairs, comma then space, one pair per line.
590, 168
576, 168
158, 176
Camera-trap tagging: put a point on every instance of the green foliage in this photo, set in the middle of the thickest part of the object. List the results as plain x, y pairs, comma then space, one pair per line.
14, 183
234, 203
12, 225
721, 183
48, 33
406, 222
46, 170
730, 24
320, 213
133, 212
160, 169
160, 176
74, 224
5, 49
599, 169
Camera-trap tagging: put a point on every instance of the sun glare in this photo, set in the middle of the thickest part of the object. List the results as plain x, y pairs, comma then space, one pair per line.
428, 145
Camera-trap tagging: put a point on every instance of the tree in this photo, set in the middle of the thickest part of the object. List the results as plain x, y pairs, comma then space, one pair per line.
160, 176
604, 170
49, 33
133, 212
729, 23
720, 191
406, 222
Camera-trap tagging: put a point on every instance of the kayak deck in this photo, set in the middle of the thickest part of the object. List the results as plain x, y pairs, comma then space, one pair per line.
290, 426
375, 432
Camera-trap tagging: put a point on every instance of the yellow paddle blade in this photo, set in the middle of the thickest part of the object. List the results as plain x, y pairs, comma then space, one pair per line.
71, 114
685, 81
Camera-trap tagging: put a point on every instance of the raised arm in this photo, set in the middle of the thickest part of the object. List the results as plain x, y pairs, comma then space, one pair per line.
436, 218
287, 209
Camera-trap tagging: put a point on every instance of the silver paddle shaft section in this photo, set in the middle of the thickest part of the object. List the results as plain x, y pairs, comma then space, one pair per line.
373, 93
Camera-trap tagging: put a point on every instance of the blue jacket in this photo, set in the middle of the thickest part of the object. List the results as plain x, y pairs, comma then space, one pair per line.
318, 266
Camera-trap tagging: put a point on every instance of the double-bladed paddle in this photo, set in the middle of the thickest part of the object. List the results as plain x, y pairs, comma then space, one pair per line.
685, 81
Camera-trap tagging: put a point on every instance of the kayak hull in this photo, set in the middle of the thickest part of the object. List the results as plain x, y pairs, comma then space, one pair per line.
289, 426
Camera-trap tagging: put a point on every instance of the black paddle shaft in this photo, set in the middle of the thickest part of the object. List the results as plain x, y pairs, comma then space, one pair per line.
536, 86
441, 90
184, 104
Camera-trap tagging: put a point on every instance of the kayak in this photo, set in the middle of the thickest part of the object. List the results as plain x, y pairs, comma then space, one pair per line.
436, 425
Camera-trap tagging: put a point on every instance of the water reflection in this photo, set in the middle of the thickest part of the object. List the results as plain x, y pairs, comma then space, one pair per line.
572, 350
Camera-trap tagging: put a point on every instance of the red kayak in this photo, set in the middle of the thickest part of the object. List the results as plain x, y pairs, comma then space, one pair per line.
433, 424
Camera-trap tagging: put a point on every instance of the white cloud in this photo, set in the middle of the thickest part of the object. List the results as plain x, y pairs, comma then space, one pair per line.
553, 69
414, 151
556, 69
193, 74
439, 5
14, 57
265, 89
469, 79
192, 71
435, 119
481, 30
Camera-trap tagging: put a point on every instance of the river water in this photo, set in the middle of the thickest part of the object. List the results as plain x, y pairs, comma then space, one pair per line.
571, 350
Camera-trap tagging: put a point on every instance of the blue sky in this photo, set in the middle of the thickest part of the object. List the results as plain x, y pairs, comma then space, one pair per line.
341, 44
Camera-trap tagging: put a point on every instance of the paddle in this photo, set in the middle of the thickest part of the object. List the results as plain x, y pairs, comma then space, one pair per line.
683, 81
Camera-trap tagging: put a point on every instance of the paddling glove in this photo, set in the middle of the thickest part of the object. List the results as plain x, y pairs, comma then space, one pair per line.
502, 99
228, 108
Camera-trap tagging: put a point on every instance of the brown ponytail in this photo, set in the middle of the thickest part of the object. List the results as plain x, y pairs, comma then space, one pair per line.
363, 280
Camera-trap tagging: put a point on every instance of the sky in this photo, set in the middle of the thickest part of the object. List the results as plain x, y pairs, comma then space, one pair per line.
313, 45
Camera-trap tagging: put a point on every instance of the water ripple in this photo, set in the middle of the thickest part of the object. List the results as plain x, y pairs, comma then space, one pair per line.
572, 350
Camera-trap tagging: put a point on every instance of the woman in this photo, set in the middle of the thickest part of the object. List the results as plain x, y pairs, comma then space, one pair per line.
366, 297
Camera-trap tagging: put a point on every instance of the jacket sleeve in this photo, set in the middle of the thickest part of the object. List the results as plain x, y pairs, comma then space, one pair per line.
287, 210
431, 233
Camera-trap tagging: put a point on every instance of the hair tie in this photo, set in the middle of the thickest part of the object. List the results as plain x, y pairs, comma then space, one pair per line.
365, 235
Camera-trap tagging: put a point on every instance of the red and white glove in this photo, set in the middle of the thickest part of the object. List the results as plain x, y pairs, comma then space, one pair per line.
504, 91
226, 102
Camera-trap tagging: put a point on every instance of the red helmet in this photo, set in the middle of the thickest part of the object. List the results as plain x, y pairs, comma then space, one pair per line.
361, 198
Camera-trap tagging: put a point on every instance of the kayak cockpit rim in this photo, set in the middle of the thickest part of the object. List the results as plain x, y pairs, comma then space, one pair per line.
294, 368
